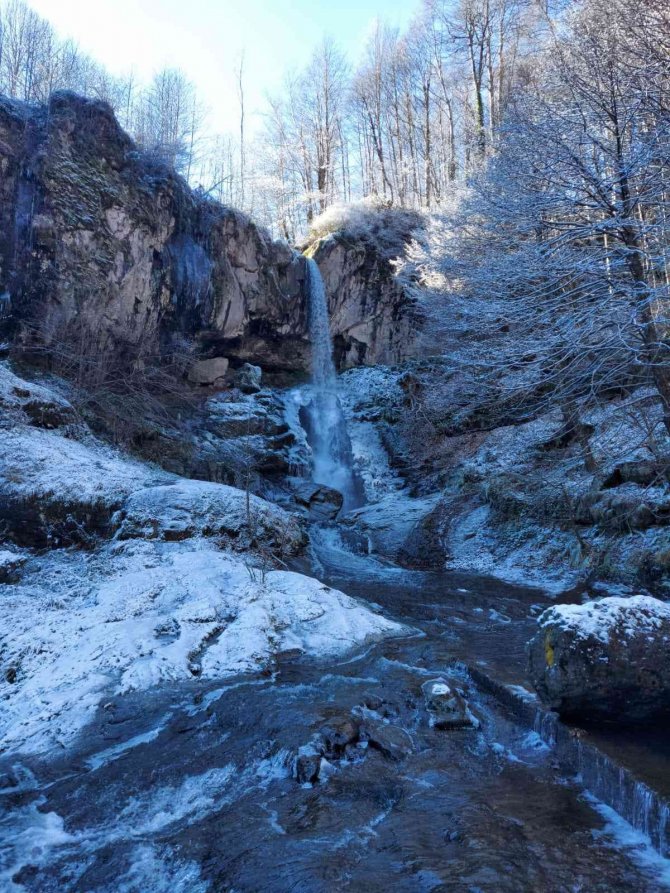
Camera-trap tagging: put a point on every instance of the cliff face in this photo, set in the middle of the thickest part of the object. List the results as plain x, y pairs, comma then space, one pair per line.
100, 245
372, 318
107, 252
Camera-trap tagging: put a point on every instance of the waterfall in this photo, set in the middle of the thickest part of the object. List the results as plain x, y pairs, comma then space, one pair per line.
324, 420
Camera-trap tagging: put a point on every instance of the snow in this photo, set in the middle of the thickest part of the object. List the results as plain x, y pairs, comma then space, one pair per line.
634, 616
388, 228
45, 465
186, 508
179, 595
15, 392
10, 561
82, 624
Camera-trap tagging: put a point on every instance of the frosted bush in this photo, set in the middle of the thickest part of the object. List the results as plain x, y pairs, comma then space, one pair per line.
371, 218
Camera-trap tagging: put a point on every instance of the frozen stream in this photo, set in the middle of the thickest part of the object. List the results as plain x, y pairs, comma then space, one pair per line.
190, 787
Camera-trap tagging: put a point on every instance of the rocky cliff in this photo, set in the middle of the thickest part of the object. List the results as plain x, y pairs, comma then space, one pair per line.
373, 319
106, 251
102, 247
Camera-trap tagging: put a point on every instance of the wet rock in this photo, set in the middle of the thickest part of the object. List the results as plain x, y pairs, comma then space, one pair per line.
8, 780
248, 379
390, 740
308, 767
605, 660
338, 735
398, 527
447, 708
322, 503
208, 372
373, 702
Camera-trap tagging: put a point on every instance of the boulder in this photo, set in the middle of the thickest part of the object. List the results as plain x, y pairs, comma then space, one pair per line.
184, 509
391, 741
208, 372
447, 708
399, 527
605, 660
248, 379
323, 503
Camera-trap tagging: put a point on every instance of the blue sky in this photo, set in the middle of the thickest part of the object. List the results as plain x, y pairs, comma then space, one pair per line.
206, 38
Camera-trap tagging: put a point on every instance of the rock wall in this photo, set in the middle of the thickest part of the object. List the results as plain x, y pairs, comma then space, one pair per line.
373, 319
104, 247
105, 251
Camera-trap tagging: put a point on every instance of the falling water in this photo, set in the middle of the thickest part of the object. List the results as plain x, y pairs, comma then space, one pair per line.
325, 423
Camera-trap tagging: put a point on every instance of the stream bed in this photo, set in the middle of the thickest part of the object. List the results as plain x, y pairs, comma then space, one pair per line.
192, 787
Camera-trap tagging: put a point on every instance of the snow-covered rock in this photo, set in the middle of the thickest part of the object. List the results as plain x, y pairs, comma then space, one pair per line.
55, 490
608, 659
182, 509
10, 564
42, 406
137, 613
447, 708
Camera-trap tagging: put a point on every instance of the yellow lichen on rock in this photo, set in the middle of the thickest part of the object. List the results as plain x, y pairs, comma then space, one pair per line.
549, 652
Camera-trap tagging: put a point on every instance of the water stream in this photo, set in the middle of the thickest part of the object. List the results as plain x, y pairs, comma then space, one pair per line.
191, 787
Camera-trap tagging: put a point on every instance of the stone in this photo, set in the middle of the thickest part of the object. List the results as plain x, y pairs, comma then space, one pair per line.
308, 767
607, 660
169, 628
208, 372
447, 708
392, 741
322, 503
248, 379
398, 527
338, 735
373, 702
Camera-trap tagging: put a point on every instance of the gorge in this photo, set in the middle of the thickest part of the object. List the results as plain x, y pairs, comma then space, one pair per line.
269, 565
